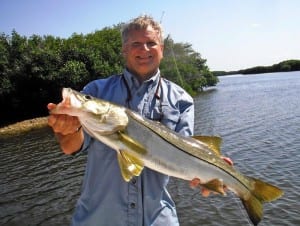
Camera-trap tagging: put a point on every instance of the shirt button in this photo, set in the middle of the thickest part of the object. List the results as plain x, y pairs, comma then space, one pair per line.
132, 205
133, 181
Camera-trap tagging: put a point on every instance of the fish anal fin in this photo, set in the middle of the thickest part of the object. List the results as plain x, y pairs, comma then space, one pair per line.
215, 185
213, 142
129, 165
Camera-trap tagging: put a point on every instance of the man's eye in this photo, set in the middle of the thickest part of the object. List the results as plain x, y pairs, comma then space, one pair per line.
151, 44
140, 44
136, 44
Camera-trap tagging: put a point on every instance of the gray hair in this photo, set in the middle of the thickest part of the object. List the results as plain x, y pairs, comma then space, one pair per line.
140, 23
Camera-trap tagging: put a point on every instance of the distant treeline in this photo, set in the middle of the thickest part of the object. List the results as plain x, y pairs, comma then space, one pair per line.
33, 70
284, 66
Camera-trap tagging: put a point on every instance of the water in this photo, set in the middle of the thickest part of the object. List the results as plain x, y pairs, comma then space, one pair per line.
258, 117
39, 185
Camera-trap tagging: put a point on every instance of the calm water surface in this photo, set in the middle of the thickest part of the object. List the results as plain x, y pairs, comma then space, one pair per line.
258, 117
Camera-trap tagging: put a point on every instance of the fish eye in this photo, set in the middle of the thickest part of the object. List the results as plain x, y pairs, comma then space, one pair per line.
88, 97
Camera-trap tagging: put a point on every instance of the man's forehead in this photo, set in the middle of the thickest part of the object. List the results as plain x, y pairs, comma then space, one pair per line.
148, 33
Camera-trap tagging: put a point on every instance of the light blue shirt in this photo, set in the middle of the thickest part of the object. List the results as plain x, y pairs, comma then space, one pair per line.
106, 199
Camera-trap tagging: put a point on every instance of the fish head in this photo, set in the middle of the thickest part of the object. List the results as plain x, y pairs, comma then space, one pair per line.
84, 102
97, 116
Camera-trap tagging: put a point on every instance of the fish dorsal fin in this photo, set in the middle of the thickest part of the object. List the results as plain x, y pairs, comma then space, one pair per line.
129, 165
213, 142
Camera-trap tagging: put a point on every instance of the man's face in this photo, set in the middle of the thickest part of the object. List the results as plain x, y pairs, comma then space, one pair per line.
143, 52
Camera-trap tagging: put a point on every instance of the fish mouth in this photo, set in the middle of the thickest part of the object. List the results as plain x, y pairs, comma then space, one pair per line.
70, 96
66, 92
75, 102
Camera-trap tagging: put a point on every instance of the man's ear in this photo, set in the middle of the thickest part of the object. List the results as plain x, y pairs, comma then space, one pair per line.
162, 47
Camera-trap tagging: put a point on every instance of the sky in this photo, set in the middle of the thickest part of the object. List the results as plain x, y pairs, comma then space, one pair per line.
229, 34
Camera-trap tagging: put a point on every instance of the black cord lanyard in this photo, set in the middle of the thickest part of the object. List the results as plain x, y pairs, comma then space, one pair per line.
156, 95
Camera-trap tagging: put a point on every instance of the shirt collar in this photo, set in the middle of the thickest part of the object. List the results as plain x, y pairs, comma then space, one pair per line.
133, 82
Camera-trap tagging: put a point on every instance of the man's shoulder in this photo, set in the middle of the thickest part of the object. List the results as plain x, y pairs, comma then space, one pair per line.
172, 84
176, 89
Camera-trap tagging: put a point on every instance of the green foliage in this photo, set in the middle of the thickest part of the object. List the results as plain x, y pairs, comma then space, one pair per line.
186, 67
33, 70
5, 82
72, 73
288, 65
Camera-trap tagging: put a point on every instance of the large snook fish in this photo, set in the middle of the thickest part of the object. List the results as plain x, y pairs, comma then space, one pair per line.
140, 143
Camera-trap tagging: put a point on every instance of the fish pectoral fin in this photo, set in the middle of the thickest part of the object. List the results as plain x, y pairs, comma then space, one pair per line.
215, 185
213, 142
129, 165
131, 143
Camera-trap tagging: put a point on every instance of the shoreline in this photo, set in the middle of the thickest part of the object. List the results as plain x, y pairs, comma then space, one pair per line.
23, 126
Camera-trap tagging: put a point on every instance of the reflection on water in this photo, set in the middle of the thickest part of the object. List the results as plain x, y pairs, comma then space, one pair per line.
258, 117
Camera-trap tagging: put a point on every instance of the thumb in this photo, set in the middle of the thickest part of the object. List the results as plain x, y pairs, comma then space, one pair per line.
51, 106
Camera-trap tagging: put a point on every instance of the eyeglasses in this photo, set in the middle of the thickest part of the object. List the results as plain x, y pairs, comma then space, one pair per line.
148, 45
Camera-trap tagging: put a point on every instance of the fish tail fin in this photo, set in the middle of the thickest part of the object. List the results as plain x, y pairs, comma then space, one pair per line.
261, 192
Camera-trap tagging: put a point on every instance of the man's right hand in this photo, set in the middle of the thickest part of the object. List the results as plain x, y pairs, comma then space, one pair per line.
62, 124
66, 129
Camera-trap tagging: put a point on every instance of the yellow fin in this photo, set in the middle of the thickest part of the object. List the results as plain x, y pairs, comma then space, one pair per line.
254, 209
213, 142
261, 192
215, 185
265, 191
132, 144
129, 165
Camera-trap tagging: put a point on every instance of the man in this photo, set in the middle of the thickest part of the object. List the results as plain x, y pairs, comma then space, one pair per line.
106, 199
